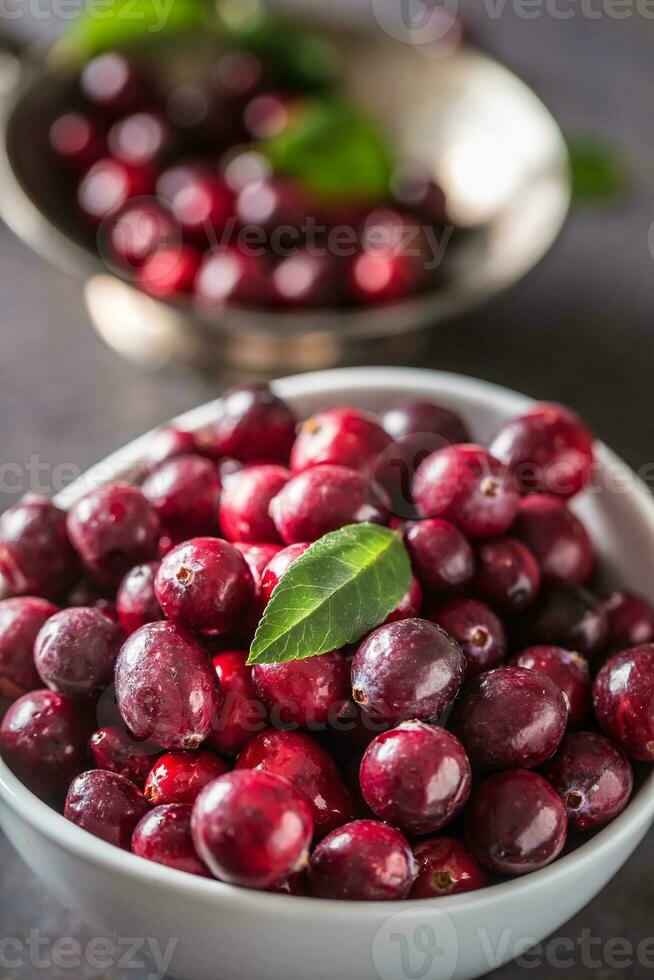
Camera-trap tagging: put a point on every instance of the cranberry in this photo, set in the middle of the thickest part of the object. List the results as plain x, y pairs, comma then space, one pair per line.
382, 276
557, 539
306, 765
419, 418
258, 557
310, 692
549, 450
411, 183
416, 777
238, 74
164, 836
170, 272
140, 230
405, 670
36, 557
476, 629
116, 750
111, 82
180, 777
295, 885
113, 528
568, 670
267, 115
325, 498
20, 621
306, 279
466, 485
445, 866
345, 436
441, 557
254, 424
622, 698
564, 615
276, 206
76, 650
185, 492
244, 505
362, 861
106, 805
274, 828
515, 823
230, 275
43, 741
168, 442
205, 584
409, 605
77, 140
202, 203
108, 185
136, 601
141, 138
278, 565
509, 718
507, 576
166, 687
242, 713
631, 620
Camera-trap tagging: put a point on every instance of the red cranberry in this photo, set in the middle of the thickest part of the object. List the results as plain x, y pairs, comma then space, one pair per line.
140, 230
515, 822
274, 828
43, 741
622, 698
254, 424
166, 687
76, 650
258, 557
20, 621
362, 861
205, 584
382, 276
564, 615
245, 502
310, 692
306, 765
170, 272
419, 417
242, 714
441, 557
202, 203
631, 620
108, 185
276, 205
416, 777
136, 601
409, 669
345, 436
409, 605
168, 442
295, 885
466, 485
106, 805
180, 777
307, 280
116, 750
557, 539
267, 115
141, 138
36, 557
568, 670
507, 576
278, 566
230, 275
185, 492
445, 866
549, 450
238, 74
164, 836
111, 82
77, 140
476, 629
411, 182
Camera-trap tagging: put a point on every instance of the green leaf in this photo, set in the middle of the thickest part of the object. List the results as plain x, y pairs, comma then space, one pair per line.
337, 591
598, 171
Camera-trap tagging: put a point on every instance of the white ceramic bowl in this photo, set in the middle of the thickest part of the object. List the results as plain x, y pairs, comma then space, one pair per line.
223, 932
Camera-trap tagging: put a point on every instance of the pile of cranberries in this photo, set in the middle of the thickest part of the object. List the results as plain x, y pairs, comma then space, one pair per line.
499, 706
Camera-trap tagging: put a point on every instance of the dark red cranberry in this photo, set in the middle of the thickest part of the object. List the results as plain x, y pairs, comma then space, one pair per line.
201, 202
420, 418
140, 230
164, 836
383, 276
325, 498
295, 885
563, 615
254, 424
509, 718
362, 861
310, 693
106, 805
416, 777
622, 697
242, 714
43, 741
76, 650
344, 436
406, 670
631, 620
245, 502
166, 687
267, 115
205, 584
445, 866
476, 629
136, 601
556, 537
77, 140
412, 185
231, 275
507, 576
36, 557
274, 828
168, 442
441, 557
515, 822
108, 185
568, 670
238, 74
116, 750
466, 485
141, 138
276, 206
592, 777
185, 492
110, 81
307, 280
278, 565
170, 272
20, 621
306, 765
549, 450
180, 777
410, 604
258, 557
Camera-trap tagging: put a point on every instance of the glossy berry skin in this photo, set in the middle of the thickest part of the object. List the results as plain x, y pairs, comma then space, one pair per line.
382, 276
113, 83
167, 443
563, 615
254, 424
140, 138
568, 670
466, 485
20, 621
441, 556
515, 822
305, 763
273, 204
622, 699
445, 866
592, 777
166, 687
164, 836
106, 805
322, 499
77, 140
138, 230
76, 650
108, 185
549, 450
185, 492
36, 556
169, 273
362, 861
309, 693
476, 629
274, 828
507, 575
416, 777
258, 556
278, 566
410, 669
509, 718
631, 620
230, 275
202, 204
180, 777
245, 502
409, 605
307, 280
43, 741
136, 601
420, 417
242, 714
115, 750
556, 538
344, 436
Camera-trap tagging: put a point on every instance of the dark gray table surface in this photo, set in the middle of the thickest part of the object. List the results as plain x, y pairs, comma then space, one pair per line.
578, 329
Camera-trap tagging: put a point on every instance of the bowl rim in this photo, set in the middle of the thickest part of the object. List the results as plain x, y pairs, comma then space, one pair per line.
66, 835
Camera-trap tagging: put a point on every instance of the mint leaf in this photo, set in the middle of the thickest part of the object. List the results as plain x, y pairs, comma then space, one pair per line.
337, 591
598, 171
